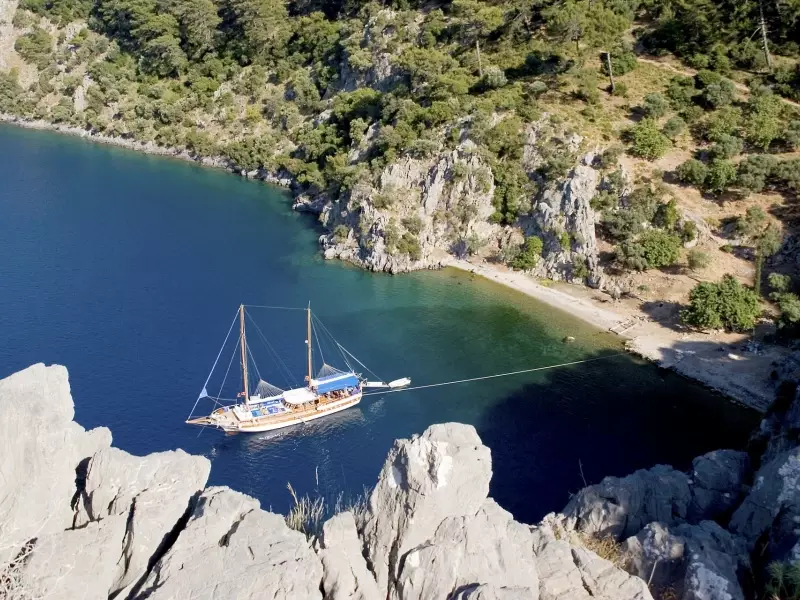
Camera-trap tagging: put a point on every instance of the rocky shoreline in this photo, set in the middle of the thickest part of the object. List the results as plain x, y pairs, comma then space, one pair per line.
747, 384
82, 519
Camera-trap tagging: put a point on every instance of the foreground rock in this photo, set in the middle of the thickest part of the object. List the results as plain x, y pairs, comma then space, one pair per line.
84, 520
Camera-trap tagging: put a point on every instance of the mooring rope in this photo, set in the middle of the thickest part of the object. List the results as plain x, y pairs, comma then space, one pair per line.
433, 385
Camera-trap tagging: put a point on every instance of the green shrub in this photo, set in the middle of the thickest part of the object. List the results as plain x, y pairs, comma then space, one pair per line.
620, 89
727, 304
681, 92
721, 175
727, 248
564, 241
580, 269
726, 146
697, 259
654, 249
529, 254
792, 134
715, 90
340, 233
692, 172
647, 141
754, 172
409, 244
610, 157
689, 231
413, 224
655, 105
763, 123
35, 47
725, 121
667, 215
622, 61
674, 127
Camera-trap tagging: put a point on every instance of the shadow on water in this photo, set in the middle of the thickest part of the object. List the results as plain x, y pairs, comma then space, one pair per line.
582, 423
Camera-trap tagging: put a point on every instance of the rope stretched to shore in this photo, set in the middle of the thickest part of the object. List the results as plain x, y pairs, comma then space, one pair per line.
433, 385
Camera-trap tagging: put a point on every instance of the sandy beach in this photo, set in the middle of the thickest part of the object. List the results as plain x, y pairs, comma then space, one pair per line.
722, 361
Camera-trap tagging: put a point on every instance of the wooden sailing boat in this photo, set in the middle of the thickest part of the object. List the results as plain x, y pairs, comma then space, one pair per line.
270, 407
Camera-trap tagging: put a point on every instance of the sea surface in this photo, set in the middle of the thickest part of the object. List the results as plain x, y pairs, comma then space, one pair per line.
129, 270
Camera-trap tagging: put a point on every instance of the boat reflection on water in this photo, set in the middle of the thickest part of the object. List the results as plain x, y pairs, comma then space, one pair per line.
322, 428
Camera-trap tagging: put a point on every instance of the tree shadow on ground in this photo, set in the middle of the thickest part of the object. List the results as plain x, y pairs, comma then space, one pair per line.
563, 426
666, 314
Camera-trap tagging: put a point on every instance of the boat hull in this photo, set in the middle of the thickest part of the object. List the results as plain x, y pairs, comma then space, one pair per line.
271, 423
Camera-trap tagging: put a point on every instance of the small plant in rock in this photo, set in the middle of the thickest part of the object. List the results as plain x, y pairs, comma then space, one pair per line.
529, 254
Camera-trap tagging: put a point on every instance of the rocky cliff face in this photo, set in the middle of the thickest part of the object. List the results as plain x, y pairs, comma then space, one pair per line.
81, 519
8, 9
420, 212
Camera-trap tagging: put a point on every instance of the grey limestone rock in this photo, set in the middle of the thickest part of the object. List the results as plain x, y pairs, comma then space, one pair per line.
656, 555
155, 490
76, 563
491, 592
567, 209
442, 473
718, 483
345, 572
41, 448
620, 507
567, 571
775, 492
695, 562
486, 548
230, 548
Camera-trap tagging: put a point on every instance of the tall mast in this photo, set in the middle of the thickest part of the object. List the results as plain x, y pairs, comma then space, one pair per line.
308, 342
244, 355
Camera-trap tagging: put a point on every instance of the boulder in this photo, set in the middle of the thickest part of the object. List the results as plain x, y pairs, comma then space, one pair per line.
41, 448
444, 472
487, 548
568, 571
345, 572
775, 492
656, 555
76, 563
693, 562
718, 484
154, 491
230, 548
620, 507
714, 559
603, 580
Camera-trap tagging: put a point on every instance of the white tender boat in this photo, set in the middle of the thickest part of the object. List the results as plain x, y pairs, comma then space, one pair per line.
269, 407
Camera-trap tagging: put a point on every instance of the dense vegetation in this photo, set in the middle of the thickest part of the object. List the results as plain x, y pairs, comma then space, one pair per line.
333, 92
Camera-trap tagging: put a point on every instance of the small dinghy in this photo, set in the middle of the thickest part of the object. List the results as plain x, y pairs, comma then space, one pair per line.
398, 383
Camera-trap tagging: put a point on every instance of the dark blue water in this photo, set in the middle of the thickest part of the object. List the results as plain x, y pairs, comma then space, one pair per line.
128, 269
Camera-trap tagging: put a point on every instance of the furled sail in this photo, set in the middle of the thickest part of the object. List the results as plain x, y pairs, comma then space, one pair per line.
326, 371
265, 389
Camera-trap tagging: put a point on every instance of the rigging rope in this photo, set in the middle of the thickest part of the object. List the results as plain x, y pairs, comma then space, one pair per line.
290, 380
432, 385
274, 307
214, 366
228, 370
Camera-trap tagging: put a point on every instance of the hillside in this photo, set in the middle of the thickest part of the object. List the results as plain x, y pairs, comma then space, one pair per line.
419, 132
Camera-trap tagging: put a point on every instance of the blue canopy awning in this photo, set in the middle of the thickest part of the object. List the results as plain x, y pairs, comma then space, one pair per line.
339, 381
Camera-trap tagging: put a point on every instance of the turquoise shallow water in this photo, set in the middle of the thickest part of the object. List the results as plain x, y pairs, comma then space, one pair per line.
128, 269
